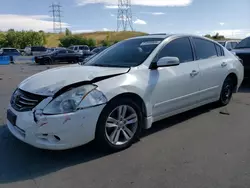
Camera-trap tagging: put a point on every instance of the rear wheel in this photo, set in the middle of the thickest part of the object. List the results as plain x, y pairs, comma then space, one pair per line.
226, 92
119, 125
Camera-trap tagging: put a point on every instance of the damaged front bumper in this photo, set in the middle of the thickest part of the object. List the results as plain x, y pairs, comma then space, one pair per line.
55, 132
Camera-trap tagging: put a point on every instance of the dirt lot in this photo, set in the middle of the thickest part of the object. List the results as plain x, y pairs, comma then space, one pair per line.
202, 148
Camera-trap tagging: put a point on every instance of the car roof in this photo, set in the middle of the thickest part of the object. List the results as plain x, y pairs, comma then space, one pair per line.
228, 40
164, 36
9, 48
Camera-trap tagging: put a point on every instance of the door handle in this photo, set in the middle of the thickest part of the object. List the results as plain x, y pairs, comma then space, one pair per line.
224, 64
194, 73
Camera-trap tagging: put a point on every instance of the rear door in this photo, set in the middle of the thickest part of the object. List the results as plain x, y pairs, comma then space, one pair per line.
213, 68
176, 87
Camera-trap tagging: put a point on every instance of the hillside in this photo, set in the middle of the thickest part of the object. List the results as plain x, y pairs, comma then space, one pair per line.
53, 39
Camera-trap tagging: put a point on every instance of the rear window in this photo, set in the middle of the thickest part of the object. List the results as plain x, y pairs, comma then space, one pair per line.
220, 51
204, 49
38, 48
10, 50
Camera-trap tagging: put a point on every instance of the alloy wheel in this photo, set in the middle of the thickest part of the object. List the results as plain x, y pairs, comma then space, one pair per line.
226, 93
121, 125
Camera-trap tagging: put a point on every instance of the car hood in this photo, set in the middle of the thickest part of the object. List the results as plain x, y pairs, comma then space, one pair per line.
241, 51
49, 82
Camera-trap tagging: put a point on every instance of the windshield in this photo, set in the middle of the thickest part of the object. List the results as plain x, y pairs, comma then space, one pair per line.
222, 43
245, 43
128, 53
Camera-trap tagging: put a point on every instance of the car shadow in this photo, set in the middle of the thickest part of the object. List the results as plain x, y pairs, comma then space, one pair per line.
20, 161
174, 120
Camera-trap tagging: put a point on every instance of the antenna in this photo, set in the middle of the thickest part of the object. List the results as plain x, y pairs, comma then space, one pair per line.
56, 14
124, 15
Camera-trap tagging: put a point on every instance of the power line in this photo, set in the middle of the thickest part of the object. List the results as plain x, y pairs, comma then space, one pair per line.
124, 15
55, 8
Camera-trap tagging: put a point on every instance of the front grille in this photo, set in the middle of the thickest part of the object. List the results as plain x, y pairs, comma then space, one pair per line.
23, 101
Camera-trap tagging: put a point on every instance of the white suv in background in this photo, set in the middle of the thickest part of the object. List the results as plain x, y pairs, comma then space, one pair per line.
80, 49
122, 90
229, 44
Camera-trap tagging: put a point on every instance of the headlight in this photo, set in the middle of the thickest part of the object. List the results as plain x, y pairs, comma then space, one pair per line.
77, 98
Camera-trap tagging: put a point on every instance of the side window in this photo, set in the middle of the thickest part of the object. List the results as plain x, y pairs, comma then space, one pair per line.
70, 51
234, 44
229, 45
204, 49
62, 51
180, 48
219, 50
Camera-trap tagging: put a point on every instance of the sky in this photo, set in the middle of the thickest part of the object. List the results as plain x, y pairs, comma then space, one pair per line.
230, 18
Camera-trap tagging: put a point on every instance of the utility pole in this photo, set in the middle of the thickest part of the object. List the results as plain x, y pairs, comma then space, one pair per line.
55, 8
124, 15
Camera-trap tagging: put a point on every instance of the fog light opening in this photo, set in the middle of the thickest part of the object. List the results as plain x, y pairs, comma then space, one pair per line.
57, 138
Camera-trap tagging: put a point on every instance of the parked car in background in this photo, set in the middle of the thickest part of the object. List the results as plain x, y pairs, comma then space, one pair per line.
242, 50
88, 55
50, 50
61, 55
9, 52
92, 48
229, 44
22, 52
119, 92
35, 50
98, 49
80, 49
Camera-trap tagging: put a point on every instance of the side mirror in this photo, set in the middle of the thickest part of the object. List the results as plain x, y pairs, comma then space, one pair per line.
168, 62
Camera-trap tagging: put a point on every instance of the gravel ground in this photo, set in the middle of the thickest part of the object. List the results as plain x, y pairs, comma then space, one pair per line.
204, 148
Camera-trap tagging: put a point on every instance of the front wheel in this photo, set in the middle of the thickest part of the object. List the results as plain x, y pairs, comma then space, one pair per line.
119, 125
48, 61
226, 92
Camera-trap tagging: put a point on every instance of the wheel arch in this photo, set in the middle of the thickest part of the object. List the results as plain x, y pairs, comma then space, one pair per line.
234, 77
139, 101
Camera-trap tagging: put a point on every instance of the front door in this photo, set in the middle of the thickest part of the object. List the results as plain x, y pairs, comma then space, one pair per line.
176, 87
61, 56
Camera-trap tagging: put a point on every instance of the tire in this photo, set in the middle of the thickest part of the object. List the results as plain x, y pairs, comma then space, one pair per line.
73, 62
48, 62
106, 131
226, 92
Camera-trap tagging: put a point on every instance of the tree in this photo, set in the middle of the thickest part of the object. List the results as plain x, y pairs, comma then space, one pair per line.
91, 42
3, 40
68, 32
72, 40
105, 43
208, 36
21, 39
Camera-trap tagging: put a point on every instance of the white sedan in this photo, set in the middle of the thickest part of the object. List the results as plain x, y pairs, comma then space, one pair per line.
122, 90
